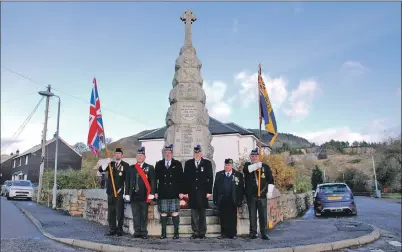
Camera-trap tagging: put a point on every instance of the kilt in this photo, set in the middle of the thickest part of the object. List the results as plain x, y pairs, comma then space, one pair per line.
168, 205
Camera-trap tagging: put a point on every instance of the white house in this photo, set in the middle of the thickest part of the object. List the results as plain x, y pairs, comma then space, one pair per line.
228, 139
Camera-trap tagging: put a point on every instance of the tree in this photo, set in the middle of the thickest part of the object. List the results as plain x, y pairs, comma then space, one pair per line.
355, 144
80, 147
316, 177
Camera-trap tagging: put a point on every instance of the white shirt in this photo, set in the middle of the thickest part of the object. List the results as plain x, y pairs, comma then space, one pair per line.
197, 162
228, 174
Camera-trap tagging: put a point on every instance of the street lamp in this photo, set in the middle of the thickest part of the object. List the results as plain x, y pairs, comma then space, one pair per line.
50, 94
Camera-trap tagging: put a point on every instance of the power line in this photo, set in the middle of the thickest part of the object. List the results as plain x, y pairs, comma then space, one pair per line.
73, 96
24, 124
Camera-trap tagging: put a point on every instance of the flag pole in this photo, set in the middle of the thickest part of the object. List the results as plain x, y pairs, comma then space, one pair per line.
107, 154
260, 119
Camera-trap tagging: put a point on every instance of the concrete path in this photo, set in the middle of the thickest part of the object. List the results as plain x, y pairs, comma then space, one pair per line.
293, 235
18, 234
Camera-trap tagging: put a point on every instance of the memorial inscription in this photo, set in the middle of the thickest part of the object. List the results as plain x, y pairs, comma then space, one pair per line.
188, 111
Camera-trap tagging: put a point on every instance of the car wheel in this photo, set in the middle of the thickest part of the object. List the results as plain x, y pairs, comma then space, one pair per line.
29, 199
8, 198
317, 214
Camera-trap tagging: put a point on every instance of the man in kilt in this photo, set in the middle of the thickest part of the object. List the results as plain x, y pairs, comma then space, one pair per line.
169, 173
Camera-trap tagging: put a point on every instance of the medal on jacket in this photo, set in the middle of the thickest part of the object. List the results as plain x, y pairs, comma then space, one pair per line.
263, 175
120, 173
202, 169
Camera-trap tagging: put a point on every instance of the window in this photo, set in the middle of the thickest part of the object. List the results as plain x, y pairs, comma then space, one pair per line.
22, 183
26, 160
14, 163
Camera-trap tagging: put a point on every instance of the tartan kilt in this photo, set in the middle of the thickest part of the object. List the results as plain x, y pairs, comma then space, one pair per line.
168, 205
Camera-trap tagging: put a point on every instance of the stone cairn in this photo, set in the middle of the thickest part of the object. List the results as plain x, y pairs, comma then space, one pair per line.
187, 118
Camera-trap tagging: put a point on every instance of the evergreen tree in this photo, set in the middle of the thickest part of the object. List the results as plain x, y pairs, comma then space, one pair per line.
316, 177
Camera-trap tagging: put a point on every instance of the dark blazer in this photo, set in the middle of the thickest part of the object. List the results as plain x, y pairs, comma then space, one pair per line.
251, 188
169, 180
119, 177
198, 182
132, 180
237, 187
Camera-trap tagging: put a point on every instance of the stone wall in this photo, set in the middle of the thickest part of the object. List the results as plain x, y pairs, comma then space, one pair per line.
91, 204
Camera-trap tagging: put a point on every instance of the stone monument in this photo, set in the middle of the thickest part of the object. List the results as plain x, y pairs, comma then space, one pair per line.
187, 118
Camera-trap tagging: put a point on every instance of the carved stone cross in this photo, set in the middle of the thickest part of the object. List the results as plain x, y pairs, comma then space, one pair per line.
188, 18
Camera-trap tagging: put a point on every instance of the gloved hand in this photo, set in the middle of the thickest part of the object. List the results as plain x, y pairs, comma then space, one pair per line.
252, 167
126, 198
105, 163
270, 190
151, 197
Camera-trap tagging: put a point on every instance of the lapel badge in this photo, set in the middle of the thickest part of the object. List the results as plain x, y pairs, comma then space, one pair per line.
120, 174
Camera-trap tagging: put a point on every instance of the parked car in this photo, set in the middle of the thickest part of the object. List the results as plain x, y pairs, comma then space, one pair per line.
20, 189
4, 187
334, 198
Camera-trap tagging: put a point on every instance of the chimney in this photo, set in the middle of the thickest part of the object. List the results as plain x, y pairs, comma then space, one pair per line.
12, 153
55, 135
17, 152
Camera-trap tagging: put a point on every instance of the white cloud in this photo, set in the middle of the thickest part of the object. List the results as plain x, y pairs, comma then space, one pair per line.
301, 99
216, 105
374, 131
276, 88
352, 68
29, 137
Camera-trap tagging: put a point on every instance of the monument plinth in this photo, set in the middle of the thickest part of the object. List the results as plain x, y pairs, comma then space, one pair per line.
187, 118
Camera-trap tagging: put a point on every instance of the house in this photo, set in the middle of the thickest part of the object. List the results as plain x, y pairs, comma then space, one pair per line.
5, 167
228, 139
26, 165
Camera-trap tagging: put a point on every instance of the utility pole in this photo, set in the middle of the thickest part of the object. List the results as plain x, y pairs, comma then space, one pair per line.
42, 163
324, 175
377, 193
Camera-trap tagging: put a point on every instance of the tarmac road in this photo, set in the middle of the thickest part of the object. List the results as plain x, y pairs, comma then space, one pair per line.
382, 213
18, 234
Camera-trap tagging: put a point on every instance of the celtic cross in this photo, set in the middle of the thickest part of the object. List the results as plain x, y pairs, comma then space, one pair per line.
188, 18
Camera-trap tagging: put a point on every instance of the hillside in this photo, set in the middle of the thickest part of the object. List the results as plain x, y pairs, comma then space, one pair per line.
4, 156
130, 144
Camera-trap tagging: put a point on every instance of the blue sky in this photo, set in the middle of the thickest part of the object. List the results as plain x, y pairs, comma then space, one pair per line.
333, 70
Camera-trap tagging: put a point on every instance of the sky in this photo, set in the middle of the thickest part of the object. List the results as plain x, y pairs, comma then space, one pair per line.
332, 69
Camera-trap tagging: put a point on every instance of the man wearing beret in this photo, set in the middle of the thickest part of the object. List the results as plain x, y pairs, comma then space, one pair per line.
254, 202
140, 190
169, 175
228, 195
198, 178
115, 205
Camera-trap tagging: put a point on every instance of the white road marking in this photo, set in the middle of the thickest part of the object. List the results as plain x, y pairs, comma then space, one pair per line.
377, 250
395, 243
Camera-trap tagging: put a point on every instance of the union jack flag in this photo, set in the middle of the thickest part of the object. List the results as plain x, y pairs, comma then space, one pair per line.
96, 134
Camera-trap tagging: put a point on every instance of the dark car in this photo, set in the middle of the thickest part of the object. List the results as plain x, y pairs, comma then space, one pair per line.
334, 198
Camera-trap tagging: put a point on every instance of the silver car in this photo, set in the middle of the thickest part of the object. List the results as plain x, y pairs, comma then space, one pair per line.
5, 186
21, 189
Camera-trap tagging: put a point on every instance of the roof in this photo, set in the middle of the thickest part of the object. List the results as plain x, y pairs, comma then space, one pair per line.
215, 126
39, 146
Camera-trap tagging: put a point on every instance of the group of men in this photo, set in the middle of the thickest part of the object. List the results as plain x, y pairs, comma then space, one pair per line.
168, 183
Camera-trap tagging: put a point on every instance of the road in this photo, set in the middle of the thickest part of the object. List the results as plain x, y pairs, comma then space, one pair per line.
382, 213
18, 234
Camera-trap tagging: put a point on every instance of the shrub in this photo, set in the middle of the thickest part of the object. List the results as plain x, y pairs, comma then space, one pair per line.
283, 173
71, 179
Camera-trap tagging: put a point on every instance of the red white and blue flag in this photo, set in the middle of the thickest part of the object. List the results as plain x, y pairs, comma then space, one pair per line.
96, 134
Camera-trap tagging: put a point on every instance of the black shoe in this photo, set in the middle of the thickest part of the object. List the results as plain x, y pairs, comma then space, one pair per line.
264, 237
176, 236
252, 236
145, 237
234, 237
163, 236
110, 233
221, 237
201, 236
137, 236
194, 236
119, 233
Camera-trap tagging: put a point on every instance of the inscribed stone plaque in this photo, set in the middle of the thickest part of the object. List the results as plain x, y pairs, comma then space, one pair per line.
188, 111
189, 135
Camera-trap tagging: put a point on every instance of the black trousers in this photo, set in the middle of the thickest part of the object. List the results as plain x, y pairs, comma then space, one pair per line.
228, 217
257, 205
140, 217
199, 221
115, 209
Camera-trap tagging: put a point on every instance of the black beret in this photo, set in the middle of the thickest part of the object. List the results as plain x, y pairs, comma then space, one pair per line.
254, 152
197, 148
141, 150
119, 150
168, 148
228, 161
